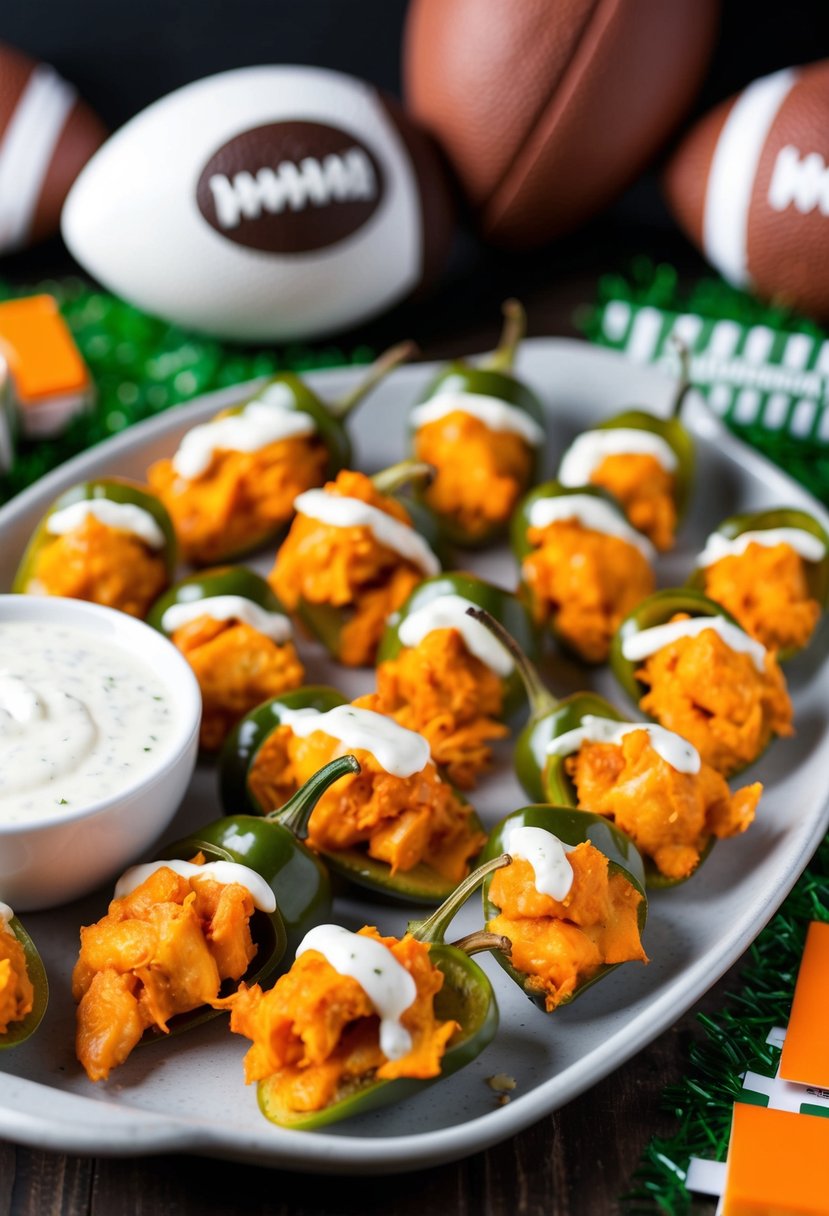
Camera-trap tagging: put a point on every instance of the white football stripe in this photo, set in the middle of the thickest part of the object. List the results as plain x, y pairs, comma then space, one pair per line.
27, 149
733, 170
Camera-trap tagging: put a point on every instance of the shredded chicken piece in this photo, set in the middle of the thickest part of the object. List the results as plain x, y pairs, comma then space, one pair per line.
348, 569
237, 668
16, 992
587, 582
241, 499
443, 692
646, 492
669, 816
716, 698
316, 1035
400, 820
559, 944
481, 474
162, 950
766, 589
103, 565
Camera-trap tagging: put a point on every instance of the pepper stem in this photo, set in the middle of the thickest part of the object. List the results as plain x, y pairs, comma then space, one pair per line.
480, 940
684, 386
387, 481
378, 370
515, 326
539, 696
296, 812
433, 929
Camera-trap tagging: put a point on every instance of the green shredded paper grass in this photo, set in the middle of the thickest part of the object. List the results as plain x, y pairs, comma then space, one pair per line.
142, 366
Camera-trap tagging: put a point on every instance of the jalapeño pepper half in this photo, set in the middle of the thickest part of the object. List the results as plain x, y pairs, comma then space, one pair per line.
272, 846
17, 1032
493, 381
420, 884
548, 718
572, 828
240, 656
121, 493
466, 998
502, 605
579, 465
815, 573
374, 594
580, 583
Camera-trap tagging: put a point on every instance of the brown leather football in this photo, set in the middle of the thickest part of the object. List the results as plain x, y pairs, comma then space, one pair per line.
47, 134
750, 185
547, 109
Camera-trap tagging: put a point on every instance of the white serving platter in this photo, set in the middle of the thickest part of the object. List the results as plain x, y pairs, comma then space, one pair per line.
187, 1095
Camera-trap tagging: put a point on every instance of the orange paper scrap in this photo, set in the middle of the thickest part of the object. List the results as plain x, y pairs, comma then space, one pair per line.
51, 380
805, 1055
777, 1164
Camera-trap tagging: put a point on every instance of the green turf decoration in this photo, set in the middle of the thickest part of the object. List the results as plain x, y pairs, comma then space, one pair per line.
762, 369
735, 1041
142, 366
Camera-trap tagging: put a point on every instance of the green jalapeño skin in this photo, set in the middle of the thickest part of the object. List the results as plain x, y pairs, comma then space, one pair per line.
572, 828
421, 884
494, 382
779, 521
18, 1032
211, 584
466, 998
447, 595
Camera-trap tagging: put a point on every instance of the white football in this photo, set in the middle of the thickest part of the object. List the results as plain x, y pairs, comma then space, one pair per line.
267, 203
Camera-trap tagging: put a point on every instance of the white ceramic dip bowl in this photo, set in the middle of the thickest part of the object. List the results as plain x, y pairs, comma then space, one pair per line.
61, 849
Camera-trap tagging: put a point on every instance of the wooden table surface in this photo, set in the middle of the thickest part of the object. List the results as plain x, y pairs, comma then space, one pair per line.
576, 1162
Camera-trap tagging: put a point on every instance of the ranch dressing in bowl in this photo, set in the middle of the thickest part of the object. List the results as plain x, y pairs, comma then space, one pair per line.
80, 719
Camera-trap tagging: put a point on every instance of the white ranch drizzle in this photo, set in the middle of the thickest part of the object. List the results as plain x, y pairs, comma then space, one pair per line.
642, 645
399, 751
341, 512
546, 854
228, 608
810, 547
592, 513
224, 872
495, 414
123, 516
449, 612
267, 419
385, 981
6, 915
589, 449
673, 749
81, 719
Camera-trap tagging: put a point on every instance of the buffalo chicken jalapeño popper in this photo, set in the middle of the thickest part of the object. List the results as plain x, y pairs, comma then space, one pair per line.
645, 461
580, 752
439, 672
481, 429
688, 665
107, 541
571, 905
231, 485
362, 1020
583, 566
351, 558
24, 990
235, 635
770, 570
396, 826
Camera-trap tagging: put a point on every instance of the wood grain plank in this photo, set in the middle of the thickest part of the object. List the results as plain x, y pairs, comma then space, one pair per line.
44, 1184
